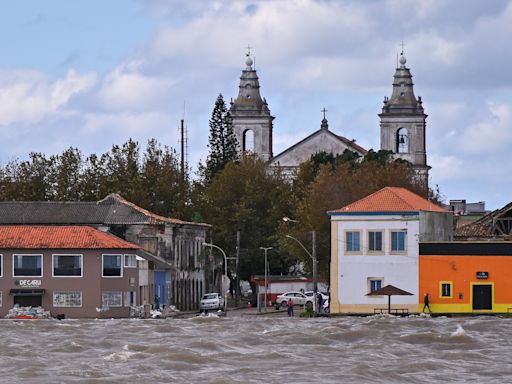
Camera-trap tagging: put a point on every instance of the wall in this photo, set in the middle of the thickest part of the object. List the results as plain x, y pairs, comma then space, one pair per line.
436, 226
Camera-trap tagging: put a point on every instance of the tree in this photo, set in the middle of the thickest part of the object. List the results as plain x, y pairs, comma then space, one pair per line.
223, 145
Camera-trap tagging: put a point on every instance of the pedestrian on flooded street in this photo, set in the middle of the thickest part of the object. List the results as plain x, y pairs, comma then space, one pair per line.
426, 303
290, 307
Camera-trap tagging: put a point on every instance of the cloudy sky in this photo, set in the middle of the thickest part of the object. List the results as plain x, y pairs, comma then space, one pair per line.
90, 74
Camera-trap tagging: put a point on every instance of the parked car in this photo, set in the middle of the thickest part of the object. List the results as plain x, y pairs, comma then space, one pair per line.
298, 298
325, 298
211, 301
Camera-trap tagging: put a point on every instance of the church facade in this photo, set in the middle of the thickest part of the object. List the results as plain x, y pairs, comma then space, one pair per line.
402, 126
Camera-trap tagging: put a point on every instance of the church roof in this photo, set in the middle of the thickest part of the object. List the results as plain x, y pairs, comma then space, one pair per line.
495, 225
390, 199
323, 130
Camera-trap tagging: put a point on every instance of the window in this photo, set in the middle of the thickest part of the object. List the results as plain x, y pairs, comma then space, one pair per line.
130, 261
446, 289
352, 241
67, 299
130, 299
27, 265
375, 241
67, 265
111, 299
112, 266
402, 140
375, 284
398, 240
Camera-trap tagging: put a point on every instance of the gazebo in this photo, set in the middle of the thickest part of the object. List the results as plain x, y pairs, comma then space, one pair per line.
389, 290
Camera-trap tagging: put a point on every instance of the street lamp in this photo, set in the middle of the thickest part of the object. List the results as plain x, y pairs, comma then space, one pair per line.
225, 270
266, 249
313, 258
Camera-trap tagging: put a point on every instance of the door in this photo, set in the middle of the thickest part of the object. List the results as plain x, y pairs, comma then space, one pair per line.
482, 296
28, 301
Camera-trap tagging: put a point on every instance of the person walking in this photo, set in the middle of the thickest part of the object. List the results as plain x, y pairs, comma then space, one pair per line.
290, 307
320, 303
426, 303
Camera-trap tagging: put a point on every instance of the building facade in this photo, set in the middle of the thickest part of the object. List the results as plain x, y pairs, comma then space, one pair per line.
375, 242
403, 123
71, 271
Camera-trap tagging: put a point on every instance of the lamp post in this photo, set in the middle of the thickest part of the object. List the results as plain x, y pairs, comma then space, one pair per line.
266, 249
225, 270
313, 258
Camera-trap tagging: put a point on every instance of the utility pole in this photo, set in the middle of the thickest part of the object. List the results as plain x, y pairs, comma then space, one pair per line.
237, 278
315, 285
265, 249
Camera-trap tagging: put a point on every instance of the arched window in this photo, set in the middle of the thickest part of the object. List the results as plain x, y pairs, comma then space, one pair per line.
248, 141
402, 140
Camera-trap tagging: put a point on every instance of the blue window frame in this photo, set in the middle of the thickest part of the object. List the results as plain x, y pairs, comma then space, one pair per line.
352, 242
398, 240
375, 285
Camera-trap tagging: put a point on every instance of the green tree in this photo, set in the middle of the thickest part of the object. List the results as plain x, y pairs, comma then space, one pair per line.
222, 143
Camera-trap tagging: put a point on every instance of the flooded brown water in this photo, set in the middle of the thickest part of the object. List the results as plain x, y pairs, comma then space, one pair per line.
258, 349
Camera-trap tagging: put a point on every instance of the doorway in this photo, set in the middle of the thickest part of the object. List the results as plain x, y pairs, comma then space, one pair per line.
482, 296
28, 301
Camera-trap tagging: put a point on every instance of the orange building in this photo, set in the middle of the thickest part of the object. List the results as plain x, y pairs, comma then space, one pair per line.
466, 277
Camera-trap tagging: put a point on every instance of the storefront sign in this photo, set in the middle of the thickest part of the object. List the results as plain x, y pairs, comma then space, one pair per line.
482, 275
28, 283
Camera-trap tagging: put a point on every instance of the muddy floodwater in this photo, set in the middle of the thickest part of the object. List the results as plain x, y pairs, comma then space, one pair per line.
258, 349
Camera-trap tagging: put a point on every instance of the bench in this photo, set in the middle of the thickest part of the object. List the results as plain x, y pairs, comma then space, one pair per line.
393, 310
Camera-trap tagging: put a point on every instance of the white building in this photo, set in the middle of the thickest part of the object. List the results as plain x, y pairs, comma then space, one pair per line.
375, 242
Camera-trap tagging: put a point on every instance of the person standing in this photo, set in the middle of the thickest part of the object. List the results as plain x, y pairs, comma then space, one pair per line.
290, 307
426, 303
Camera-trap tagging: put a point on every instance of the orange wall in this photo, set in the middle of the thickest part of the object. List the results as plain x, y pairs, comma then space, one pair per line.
461, 271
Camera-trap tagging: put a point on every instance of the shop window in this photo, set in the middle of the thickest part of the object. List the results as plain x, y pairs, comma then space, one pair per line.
446, 289
67, 299
130, 261
67, 265
374, 241
352, 241
111, 299
398, 241
112, 266
27, 265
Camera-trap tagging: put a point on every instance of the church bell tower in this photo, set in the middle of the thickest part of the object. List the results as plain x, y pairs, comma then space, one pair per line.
252, 121
403, 123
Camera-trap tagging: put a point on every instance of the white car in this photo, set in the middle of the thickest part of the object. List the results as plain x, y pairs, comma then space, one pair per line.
325, 298
298, 298
211, 301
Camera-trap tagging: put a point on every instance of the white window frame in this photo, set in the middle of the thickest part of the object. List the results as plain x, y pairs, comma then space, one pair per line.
103, 265
68, 254
28, 254
67, 299
397, 251
130, 257
369, 283
376, 251
360, 242
108, 295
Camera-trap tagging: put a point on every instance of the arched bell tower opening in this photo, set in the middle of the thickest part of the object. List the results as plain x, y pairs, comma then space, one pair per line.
248, 141
252, 121
402, 140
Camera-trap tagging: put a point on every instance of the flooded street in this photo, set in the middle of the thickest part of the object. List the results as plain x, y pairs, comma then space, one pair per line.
256, 349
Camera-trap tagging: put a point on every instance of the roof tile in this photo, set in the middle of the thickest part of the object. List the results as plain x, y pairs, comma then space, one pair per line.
391, 199
59, 237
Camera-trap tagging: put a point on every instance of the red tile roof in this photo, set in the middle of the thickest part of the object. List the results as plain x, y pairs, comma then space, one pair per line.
59, 237
391, 199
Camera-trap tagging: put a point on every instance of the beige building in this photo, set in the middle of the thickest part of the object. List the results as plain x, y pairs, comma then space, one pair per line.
75, 271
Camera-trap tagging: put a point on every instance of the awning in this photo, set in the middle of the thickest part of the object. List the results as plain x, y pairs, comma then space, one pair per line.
27, 292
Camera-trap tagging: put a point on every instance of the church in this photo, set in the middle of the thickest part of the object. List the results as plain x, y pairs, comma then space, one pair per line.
402, 126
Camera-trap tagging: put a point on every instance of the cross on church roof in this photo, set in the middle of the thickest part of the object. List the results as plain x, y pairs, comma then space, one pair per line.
324, 110
248, 50
402, 44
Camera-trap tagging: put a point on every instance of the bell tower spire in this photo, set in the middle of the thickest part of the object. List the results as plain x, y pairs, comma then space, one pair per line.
252, 121
403, 122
